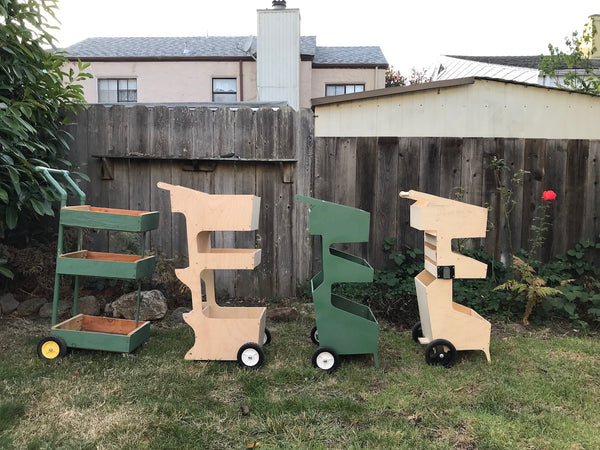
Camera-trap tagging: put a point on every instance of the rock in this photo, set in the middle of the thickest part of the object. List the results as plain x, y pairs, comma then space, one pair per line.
62, 309
177, 315
8, 304
283, 314
88, 305
30, 306
153, 306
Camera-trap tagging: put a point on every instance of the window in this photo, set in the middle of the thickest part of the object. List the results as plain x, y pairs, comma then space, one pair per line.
115, 90
224, 89
339, 89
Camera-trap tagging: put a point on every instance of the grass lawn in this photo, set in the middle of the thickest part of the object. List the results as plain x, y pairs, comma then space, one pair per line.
540, 391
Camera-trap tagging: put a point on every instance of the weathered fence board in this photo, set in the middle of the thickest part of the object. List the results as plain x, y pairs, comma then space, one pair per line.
127, 150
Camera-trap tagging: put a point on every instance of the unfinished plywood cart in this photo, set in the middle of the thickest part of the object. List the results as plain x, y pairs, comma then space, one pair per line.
343, 326
221, 333
446, 327
85, 331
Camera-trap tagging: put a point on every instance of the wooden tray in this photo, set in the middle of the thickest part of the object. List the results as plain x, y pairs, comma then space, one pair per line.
108, 218
102, 333
108, 265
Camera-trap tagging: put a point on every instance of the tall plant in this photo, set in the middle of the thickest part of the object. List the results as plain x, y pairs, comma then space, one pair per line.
36, 93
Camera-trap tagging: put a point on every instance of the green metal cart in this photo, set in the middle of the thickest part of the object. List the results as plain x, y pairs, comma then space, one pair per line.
343, 326
86, 331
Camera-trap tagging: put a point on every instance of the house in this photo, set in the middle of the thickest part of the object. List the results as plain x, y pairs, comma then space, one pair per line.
512, 68
277, 65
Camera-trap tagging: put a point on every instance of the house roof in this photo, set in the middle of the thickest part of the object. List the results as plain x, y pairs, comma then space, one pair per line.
213, 48
506, 68
531, 62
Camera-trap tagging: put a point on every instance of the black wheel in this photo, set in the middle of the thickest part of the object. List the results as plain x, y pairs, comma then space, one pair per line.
325, 358
250, 356
52, 347
440, 352
267, 340
417, 332
314, 336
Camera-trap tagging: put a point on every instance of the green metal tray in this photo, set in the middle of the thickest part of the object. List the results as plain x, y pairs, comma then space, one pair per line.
106, 265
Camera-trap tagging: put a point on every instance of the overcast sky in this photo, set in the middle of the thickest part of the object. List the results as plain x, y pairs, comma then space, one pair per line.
410, 33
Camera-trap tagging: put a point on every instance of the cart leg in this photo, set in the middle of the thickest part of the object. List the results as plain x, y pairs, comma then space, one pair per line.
376, 360
137, 310
76, 295
55, 298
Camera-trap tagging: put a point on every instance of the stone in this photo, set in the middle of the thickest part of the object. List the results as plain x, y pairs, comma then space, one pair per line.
30, 306
62, 309
283, 314
177, 315
88, 305
8, 304
153, 306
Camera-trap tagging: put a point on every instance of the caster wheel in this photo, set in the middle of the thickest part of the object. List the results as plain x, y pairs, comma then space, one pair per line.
440, 352
250, 356
417, 332
267, 339
52, 347
314, 336
326, 359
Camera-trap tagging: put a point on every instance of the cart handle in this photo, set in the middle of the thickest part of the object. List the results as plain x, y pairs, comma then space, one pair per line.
46, 171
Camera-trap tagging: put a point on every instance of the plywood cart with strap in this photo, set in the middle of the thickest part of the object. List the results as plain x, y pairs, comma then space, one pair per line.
446, 327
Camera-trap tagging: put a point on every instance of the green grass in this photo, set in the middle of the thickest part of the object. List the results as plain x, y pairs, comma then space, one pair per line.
538, 392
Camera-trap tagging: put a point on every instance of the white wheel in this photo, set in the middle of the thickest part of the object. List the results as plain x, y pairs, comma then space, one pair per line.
250, 356
325, 358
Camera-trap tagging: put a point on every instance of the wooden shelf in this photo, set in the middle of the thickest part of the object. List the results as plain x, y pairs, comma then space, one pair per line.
108, 218
106, 265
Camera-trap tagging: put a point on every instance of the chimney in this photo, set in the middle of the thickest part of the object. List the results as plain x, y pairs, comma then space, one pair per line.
278, 55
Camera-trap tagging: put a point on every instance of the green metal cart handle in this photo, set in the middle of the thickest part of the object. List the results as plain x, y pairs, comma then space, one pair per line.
46, 171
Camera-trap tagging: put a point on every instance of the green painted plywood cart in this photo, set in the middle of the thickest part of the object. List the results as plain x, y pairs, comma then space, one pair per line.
343, 326
86, 331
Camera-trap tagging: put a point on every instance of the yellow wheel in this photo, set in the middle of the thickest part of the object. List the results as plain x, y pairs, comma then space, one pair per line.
52, 347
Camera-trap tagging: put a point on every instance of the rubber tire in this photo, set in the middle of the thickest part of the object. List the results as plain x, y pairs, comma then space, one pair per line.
417, 332
256, 351
267, 337
46, 350
314, 335
326, 352
440, 352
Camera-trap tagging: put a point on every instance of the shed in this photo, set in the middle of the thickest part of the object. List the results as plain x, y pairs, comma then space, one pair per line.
466, 107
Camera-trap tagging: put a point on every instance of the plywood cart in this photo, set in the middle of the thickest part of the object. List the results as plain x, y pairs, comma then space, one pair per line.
85, 331
221, 333
445, 326
344, 327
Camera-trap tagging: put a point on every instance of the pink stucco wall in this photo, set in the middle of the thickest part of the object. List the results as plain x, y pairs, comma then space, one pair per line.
190, 81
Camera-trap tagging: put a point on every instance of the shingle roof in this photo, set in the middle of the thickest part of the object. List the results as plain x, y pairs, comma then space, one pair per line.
350, 56
217, 47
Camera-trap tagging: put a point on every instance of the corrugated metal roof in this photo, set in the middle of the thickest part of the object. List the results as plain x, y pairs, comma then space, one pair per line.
217, 47
457, 67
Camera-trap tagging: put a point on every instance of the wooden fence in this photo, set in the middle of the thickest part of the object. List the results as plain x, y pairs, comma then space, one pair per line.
127, 150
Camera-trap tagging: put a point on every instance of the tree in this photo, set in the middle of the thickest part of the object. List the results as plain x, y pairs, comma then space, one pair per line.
573, 68
394, 78
36, 95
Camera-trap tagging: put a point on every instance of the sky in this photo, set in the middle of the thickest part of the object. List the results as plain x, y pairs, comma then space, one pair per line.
412, 34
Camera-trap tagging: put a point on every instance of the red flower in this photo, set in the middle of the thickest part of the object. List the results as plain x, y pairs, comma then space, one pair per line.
548, 195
